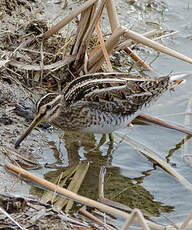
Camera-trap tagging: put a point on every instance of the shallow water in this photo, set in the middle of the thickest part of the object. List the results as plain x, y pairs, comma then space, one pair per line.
146, 186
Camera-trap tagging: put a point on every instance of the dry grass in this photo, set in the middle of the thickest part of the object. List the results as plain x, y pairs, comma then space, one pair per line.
38, 56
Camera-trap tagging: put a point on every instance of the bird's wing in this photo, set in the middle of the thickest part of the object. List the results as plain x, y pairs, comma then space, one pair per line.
115, 92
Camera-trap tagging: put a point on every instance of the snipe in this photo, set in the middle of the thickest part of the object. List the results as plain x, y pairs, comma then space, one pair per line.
99, 103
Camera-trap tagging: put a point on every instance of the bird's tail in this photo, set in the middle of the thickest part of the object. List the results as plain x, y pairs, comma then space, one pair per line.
179, 78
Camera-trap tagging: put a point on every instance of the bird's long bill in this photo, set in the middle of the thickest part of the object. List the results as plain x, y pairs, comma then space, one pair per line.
36, 121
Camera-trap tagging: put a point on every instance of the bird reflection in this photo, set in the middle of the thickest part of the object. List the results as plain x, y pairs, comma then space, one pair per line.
85, 159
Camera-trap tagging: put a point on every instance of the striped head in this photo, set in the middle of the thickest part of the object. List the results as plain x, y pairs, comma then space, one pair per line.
47, 108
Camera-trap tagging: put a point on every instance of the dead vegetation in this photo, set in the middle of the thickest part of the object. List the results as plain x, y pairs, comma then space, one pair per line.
49, 59
35, 56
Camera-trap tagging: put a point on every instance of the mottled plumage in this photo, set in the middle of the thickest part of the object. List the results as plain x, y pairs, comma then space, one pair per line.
100, 103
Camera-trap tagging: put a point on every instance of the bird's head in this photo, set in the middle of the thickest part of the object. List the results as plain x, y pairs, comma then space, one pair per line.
47, 109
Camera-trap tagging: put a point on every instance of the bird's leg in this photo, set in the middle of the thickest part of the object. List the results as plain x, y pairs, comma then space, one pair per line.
101, 142
111, 138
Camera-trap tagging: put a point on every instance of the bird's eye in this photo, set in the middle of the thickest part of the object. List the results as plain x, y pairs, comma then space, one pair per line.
48, 107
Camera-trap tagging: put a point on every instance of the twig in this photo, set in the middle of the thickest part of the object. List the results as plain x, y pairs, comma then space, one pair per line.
15, 222
150, 119
155, 45
99, 34
130, 42
38, 52
137, 59
65, 192
58, 64
23, 87
112, 14
90, 30
76, 182
101, 182
93, 218
41, 62
172, 223
101, 193
74, 196
23, 44
67, 19
48, 195
86, 18
97, 59
165, 35
136, 214
186, 222
150, 154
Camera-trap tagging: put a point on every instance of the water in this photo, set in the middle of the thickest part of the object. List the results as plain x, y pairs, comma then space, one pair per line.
144, 185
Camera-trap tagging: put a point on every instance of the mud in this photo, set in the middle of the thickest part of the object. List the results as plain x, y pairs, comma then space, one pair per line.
21, 86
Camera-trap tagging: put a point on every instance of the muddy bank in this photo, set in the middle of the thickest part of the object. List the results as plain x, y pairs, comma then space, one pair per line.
23, 82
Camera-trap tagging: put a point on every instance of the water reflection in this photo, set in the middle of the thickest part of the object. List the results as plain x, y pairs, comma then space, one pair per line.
129, 191
178, 146
82, 176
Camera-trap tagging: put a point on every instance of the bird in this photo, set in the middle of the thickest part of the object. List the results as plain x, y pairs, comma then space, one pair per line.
99, 102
